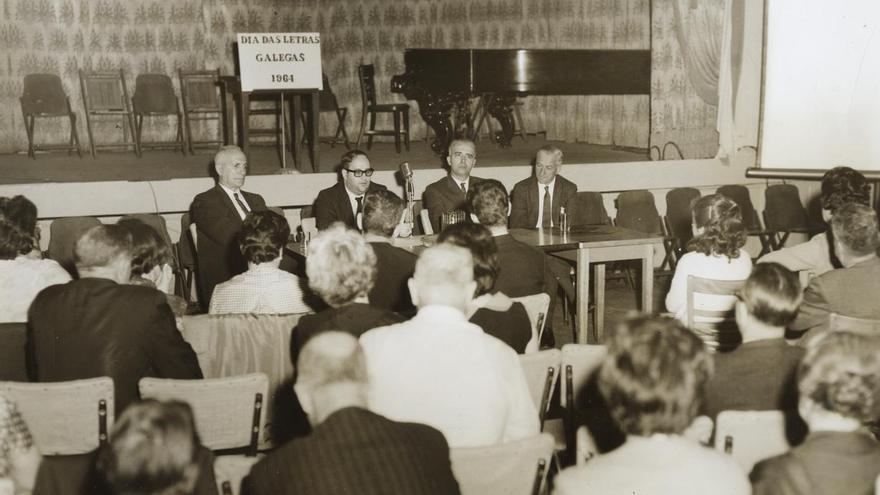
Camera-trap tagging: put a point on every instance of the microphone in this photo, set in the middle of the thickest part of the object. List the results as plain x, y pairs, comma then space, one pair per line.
405, 170
409, 190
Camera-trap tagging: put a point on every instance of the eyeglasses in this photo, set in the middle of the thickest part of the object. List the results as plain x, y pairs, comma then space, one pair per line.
360, 173
466, 156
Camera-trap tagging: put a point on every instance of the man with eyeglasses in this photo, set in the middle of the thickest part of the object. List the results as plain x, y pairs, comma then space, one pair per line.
344, 202
450, 193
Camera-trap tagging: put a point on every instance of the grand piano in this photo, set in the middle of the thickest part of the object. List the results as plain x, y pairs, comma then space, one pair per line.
441, 80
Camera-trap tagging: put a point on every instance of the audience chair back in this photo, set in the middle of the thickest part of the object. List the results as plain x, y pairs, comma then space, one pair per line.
784, 213
589, 209
200, 92
185, 250
717, 328
542, 372
12, 351
43, 96
740, 195
536, 306
852, 324
157, 222
105, 94
154, 97
636, 210
229, 412
751, 436
679, 216
580, 362
514, 468
370, 107
65, 418
63, 234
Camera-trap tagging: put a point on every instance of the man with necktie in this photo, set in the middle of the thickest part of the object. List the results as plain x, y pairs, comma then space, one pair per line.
218, 214
450, 192
535, 202
344, 202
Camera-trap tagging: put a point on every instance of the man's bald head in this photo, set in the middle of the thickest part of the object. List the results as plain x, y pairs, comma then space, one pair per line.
231, 166
331, 375
444, 276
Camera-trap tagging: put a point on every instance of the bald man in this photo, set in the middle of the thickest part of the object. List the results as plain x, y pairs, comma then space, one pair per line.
441, 370
536, 201
350, 450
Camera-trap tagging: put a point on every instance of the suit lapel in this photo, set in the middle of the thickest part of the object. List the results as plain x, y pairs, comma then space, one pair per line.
224, 198
344, 203
557, 199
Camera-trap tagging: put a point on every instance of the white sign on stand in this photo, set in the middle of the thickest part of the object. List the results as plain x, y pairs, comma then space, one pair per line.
280, 61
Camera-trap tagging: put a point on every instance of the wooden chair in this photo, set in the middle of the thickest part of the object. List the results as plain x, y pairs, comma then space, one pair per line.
513, 468
751, 436
740, 195
371, 108
542, 372
106, 95
679, 217
229, 412
65, 418
717, 328
154, 97
327, 103
579, 363
200, 92
42, 97
536, 306
853, 324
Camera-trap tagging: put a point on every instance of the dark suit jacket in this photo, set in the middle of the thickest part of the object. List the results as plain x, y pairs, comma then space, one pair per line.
357, 451
443, 196
512, 327
522, 270
525, 201
394, 266
354, 318
332, 205
827, 463
95, 327
756, 376
218, 226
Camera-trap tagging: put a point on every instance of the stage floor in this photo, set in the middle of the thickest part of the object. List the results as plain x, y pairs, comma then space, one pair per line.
265, 160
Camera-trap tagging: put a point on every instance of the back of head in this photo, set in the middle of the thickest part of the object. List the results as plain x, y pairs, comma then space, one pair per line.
488, 201
18, 227
331, 374
840, 372
722, 223
855, 228
341, 265
101, 245
479, 241
444, 276
382, 212
654, 376
842, 185
148, 249
772, 294
21, 211
152, 450
263, 234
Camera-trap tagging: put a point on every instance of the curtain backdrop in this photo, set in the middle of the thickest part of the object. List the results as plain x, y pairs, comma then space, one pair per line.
62, 36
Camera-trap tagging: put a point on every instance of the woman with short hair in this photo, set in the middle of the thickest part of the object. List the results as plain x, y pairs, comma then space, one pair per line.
151, 262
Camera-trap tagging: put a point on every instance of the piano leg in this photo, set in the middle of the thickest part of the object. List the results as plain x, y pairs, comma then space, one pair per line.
436, 113
501, 107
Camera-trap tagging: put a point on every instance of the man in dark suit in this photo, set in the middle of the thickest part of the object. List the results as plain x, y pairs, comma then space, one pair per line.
350, 449
383, 221
535, 202
98, 326
218, 214
450, 193
344, 202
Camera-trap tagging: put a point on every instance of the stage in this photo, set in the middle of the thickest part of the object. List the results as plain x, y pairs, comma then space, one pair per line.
265, 160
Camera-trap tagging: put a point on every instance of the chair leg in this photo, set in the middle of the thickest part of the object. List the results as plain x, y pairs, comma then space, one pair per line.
397, 131
364, 112
406, 127
139, 127
342, 114
91, 136
137, 142
180, 138
188, 136
372, 128
29, 130
74, 134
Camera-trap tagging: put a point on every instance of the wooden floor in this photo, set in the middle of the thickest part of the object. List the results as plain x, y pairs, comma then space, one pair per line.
264, 160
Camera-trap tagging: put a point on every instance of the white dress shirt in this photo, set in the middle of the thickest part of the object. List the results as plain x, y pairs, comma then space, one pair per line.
21, 279
231, 193
263, 289
352, 200
541, 187
441, 370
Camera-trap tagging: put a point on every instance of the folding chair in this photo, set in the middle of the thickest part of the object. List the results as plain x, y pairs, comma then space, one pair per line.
536, 306
542, 372
370, 107
853, 324
65, 418
679, 217
513, 468
636, 210
784, 213
717, 328
327, 103
579, 363
106, 95
739, 194
154, 97
751, 436
200, 92
43, 96
589, 209
63, 234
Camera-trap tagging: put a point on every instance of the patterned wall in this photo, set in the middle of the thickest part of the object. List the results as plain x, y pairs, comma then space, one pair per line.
62, 36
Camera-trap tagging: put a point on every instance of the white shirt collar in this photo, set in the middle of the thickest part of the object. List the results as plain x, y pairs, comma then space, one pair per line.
231, 193
352, 200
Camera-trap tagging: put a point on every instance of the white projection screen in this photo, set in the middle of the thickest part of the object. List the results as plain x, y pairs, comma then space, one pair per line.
821, 100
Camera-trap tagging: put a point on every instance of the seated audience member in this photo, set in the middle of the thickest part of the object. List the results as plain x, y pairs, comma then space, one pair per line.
852, 290
341, 269
22, 212
350, 449
101, 326
19, 458
344, 202
153, 449
264, 288
450, 192
715, 252
535, 202
443, 371
760, 374
839, 393
383, 214
653, 380
840, 185
151, 262
494, 312
22, 275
